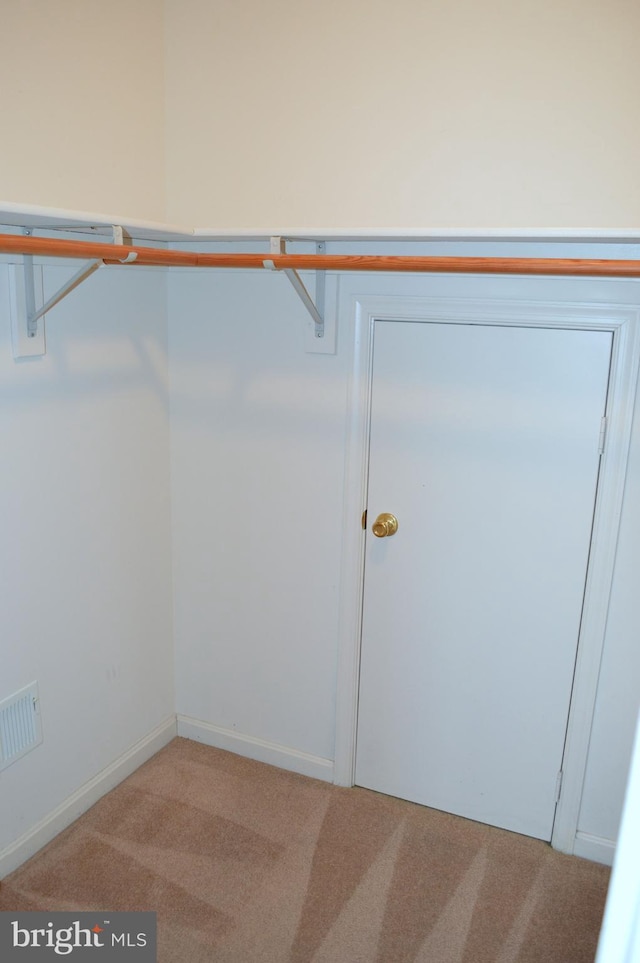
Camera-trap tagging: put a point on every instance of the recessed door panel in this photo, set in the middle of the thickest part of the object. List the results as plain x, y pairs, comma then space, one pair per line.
484, 446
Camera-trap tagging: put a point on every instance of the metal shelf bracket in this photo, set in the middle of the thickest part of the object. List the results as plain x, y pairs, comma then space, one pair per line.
315, 308
27, 307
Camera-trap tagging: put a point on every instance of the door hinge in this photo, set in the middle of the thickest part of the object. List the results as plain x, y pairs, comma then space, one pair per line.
558, 786
603, 435
364, 520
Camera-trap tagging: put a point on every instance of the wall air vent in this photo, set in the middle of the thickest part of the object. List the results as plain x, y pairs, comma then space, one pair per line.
20, 724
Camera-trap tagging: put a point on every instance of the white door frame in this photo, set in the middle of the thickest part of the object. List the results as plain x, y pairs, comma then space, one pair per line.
359, 308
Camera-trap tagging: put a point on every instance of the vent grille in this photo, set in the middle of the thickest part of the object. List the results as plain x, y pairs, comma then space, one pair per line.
20, 724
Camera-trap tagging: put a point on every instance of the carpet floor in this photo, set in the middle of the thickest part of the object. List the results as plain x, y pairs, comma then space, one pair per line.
245, 863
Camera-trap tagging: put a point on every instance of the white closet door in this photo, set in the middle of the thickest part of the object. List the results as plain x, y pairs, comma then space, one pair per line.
485, 446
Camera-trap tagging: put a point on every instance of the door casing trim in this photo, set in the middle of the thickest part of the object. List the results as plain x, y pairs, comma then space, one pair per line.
557, 302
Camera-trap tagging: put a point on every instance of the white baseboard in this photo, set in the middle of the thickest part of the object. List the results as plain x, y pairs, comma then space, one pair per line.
75, 805
596, 848
281, 756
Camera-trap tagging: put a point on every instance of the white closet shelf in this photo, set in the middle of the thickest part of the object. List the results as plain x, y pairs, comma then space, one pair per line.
559, 235
26, 313
51, 219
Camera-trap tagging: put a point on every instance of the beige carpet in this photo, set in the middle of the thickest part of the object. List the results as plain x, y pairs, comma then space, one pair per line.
246, 863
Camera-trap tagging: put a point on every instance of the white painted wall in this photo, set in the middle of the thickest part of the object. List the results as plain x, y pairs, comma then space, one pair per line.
422, 113
258, 456
82, 95
620, 935
85, 578
257, 462
290, 116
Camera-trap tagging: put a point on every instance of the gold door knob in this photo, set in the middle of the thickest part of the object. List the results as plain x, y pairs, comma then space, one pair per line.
385, 524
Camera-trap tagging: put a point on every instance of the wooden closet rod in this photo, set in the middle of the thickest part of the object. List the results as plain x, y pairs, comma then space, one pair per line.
159, 257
